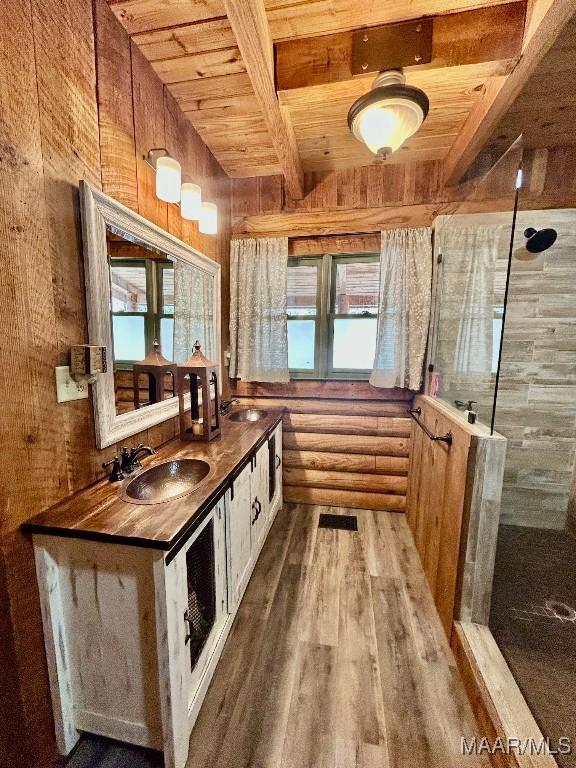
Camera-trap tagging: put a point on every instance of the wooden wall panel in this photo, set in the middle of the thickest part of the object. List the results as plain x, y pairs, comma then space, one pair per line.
68, 83
31, 430
452, 508
149, 133
115, 108
371, 198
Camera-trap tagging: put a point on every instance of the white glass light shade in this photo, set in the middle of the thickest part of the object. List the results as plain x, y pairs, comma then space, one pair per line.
168, 179
388, 114
208, 219
190, 201
385, 126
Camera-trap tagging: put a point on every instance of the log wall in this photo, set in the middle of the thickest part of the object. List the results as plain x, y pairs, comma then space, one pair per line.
345, 443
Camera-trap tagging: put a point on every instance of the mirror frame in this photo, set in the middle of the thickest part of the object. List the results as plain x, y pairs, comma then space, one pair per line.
98, 211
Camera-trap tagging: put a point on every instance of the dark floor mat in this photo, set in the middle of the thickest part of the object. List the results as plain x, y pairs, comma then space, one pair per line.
533, 620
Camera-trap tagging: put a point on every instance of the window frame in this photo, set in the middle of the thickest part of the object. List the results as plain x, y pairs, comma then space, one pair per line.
154, 304
327, 264
318, 262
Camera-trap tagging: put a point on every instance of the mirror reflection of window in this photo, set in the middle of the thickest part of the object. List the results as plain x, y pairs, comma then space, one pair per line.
154, 296
142, 309
142, 294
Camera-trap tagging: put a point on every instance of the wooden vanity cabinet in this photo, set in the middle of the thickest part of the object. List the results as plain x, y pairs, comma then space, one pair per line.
133, 633
251, 512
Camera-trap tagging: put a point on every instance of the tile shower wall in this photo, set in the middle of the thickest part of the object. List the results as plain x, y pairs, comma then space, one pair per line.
536, 406
536, 402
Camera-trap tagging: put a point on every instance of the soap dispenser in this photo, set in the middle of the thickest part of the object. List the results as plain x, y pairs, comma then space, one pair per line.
470, 413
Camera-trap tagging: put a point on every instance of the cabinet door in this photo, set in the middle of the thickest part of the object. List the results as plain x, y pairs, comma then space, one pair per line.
239, 511
260, 497
277, 500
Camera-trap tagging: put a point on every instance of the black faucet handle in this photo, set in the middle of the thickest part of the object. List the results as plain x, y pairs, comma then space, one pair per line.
116, 474
126, 459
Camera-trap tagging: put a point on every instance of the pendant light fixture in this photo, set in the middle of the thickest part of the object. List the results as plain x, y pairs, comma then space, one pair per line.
190, 201
388, 114
208, 224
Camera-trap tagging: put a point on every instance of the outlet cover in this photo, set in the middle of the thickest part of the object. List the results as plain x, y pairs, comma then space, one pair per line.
68, 389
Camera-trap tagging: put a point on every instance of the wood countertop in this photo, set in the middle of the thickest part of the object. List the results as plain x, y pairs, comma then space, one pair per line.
99, 513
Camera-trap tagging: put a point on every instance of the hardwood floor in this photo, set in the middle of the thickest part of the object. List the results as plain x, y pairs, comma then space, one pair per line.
337, 659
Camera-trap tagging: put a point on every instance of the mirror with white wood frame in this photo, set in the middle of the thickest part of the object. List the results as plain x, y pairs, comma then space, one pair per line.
149, 296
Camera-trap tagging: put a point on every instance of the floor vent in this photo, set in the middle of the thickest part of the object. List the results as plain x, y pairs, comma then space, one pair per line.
342, 522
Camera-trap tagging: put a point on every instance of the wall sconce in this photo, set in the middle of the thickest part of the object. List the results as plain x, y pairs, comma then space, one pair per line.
208, 224
168, 174
190, 201
169, 187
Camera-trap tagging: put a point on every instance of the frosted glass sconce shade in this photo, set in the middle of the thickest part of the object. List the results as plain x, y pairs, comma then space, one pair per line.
208, 219
168, 179
190, 201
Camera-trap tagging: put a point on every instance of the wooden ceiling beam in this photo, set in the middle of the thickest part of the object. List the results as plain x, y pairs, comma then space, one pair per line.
287, 19
250, 27
314, 246
493, 33
547, 19
350, 221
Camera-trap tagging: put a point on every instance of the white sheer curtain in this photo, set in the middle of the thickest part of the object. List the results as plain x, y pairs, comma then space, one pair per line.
258, 309
193, 311
470, 265
404, 307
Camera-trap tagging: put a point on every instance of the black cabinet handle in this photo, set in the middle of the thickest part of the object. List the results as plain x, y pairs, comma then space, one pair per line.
187, 621
253, 519
258, 507
278, 461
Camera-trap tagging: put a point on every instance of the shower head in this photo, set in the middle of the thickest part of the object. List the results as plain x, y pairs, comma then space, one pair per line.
539, 240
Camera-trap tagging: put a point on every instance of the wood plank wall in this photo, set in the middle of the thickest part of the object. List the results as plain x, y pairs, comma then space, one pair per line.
345, 443
375, 197
73, 107
453, 509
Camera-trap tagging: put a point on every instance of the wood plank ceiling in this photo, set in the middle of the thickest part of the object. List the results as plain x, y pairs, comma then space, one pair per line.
195, 46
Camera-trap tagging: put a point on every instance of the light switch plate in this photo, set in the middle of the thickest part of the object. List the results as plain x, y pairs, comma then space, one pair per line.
68, 389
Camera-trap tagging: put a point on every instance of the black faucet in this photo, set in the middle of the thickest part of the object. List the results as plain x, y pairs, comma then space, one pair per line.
129, 458
464, 405
116, 473
225, 406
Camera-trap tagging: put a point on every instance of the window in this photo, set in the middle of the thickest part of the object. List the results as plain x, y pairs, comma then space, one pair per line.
142, 308
332, 315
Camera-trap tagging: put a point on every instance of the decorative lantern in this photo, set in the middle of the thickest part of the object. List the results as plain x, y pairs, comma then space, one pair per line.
199, 376
156, 366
